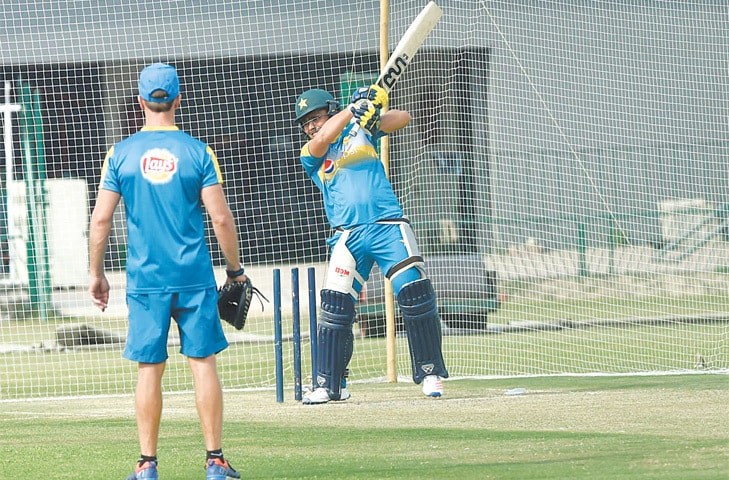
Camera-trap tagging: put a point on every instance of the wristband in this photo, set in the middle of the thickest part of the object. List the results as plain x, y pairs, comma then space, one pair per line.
234, 273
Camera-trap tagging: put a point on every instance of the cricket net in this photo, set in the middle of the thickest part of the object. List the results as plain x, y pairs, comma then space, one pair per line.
564, 173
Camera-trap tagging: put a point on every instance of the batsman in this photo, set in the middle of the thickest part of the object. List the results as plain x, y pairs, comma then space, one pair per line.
369, 225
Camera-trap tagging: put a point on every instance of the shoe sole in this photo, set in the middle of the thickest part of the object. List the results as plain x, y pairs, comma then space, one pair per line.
307, 401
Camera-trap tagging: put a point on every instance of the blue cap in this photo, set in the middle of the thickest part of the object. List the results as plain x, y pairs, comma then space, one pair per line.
159, 76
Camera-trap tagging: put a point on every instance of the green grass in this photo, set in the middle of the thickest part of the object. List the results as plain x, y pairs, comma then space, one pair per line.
606, 308
95, 372
615, 334
668, 427
615, 349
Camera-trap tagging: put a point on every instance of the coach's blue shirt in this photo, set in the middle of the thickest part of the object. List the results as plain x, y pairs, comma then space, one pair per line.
159, 172
353, 181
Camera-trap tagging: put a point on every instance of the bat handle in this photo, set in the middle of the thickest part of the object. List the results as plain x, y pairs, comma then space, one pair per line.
354, 130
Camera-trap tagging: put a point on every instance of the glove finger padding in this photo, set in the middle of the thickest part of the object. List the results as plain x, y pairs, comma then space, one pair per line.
362, 93
379, 97
366, 115
374, 93
234, 301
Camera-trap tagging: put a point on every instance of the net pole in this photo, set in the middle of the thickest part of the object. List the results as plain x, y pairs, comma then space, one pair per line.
27, 139
44, 275
390, 330
8, 108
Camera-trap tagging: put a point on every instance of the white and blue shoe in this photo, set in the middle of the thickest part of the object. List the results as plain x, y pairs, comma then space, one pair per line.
317, 396
321, 395
344, 394
432, 386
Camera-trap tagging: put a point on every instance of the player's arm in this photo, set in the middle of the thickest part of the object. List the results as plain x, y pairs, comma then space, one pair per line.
224, 227
329, 132
393, 120
99, 231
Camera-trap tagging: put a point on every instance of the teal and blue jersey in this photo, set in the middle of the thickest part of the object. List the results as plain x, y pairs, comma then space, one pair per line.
353, 181
160, 172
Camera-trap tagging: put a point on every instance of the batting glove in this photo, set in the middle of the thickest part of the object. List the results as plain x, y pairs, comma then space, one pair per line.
374, 93
367, 115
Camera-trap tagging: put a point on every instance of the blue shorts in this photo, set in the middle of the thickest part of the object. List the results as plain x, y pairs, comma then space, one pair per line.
196, 314
390, 243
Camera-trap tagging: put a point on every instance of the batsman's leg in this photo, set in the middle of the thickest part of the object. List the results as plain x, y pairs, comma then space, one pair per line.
422, 323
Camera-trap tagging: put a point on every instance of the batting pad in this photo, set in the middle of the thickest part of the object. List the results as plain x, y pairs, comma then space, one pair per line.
420, 315
336, 341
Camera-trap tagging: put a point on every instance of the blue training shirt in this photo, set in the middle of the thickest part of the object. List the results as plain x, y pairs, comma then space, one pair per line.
160, 172
352, 180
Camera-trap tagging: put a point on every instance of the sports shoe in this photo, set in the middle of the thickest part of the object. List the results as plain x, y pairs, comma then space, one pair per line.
145, 471
321, 395
217, 469
344, 394
432, 386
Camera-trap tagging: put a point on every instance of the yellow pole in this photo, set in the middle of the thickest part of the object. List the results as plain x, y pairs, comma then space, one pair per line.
390, 329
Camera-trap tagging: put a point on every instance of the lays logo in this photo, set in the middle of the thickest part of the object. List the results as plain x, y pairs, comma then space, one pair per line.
158, 165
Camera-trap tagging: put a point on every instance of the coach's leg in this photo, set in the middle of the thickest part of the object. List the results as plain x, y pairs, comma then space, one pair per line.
422, 324
208, 399
209, 403
148, 405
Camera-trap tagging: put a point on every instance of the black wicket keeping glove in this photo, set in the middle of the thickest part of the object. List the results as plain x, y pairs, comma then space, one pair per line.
234, 301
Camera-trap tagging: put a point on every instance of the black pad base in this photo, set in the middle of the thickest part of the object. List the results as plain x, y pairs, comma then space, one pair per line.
335, 340
422, 324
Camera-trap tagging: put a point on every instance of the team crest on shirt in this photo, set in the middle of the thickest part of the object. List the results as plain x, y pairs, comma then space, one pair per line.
158, 165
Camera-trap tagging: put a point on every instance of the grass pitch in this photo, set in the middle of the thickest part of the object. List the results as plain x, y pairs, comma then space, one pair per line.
669, 427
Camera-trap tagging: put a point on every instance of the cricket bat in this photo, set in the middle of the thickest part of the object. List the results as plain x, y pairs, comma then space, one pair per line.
405, 50
410, 42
